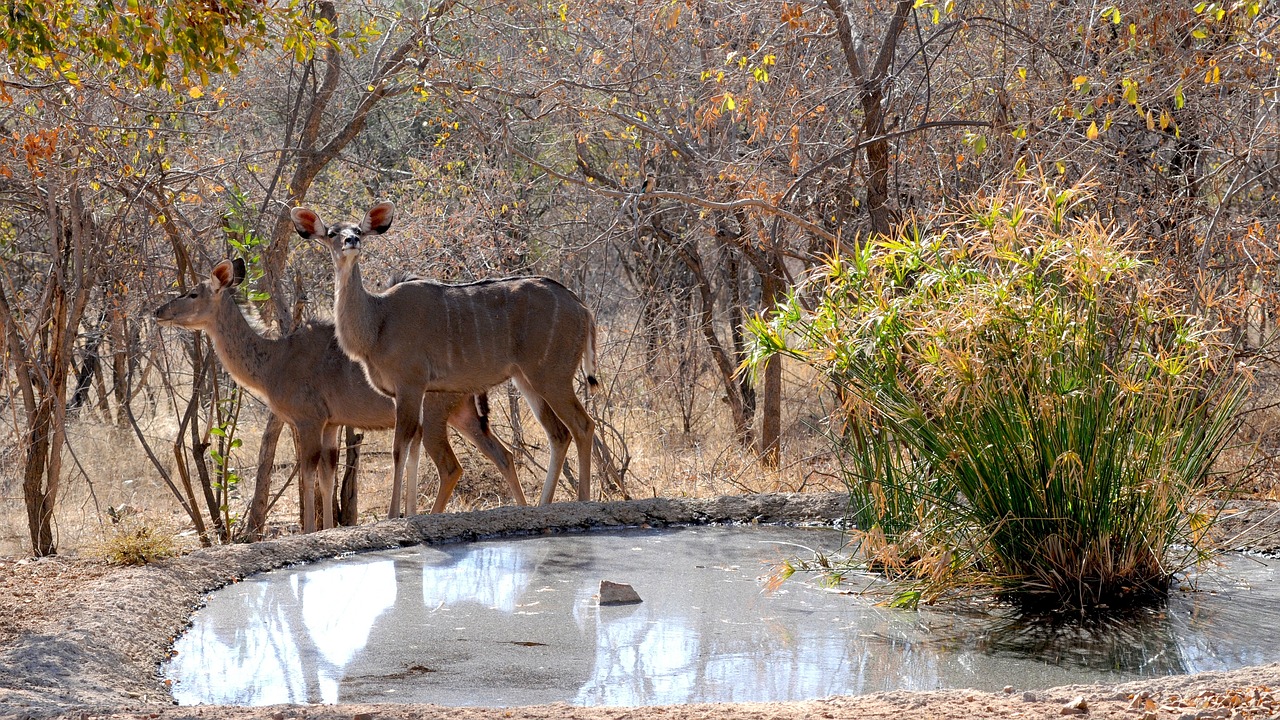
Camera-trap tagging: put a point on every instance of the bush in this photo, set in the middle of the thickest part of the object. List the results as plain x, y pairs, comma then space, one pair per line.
1025, 407
131, 541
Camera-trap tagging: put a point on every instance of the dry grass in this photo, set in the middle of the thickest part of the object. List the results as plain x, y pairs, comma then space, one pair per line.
107, 468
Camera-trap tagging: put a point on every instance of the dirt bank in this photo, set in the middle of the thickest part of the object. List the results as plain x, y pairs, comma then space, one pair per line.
93, 650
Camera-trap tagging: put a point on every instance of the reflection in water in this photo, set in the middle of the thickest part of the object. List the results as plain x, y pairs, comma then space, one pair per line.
490, 575
514, 622
306, 630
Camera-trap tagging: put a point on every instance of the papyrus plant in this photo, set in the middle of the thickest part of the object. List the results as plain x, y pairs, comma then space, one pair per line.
1025, 406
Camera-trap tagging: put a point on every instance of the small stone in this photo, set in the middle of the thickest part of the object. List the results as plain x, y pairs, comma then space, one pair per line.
1029, 696
1008, 689
1077, 706
612, 593
277, 715
362, 716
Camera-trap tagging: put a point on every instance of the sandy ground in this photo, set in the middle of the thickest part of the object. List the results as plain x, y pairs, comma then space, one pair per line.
79, 639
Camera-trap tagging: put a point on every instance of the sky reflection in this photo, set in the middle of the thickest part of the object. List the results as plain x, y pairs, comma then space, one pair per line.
515, 622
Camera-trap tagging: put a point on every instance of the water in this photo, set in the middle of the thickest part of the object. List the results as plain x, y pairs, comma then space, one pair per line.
514, 622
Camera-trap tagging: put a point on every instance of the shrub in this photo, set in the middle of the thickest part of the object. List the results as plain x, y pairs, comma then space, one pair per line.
1025, 406
131, 541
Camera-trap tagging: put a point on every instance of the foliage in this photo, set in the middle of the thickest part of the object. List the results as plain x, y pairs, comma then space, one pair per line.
1025, 405
133, 541
63, 40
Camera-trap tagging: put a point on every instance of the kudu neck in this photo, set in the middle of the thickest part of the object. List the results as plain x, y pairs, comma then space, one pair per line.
351, 300
243, 352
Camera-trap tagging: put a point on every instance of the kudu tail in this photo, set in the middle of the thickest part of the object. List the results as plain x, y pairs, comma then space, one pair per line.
482, 409
589, 362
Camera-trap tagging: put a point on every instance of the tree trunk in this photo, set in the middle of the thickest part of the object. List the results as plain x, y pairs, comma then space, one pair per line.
256, 521
771, 407
38, 501
877, 161
348, 504
872, 77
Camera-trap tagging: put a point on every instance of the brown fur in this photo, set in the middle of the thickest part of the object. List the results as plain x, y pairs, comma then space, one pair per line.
426, 336
308, 381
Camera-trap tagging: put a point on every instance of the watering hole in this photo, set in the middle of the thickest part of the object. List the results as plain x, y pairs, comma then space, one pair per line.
515, 622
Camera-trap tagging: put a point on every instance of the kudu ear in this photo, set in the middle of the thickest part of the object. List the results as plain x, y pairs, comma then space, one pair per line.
223, 275
237, 272
379, 218
307, 223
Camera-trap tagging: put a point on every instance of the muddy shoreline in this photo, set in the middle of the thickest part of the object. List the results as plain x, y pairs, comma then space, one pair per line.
98, 656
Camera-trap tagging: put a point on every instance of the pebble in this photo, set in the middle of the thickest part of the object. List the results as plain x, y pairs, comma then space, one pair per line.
1077, 706
1008, 689
1029, 696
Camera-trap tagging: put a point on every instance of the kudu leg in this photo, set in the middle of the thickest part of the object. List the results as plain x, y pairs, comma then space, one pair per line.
558, 437
327, 467
309, 445
435, 439
411, 475
467, 422
408, 438
575, 416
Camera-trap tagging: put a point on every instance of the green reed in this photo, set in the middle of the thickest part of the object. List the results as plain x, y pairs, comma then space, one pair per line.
1025, 407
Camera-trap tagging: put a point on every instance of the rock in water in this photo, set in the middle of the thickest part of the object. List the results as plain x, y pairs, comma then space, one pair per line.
612, 593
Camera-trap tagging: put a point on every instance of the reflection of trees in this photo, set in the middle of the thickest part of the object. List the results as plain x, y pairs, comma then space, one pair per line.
455, 614
280, 639
671, 650
515, 623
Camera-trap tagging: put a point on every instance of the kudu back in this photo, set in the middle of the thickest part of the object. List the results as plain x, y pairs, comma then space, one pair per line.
422, 335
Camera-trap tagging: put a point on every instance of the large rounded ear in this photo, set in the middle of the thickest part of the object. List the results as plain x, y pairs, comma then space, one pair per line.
379, 218
223, 275
237, 272
307, 223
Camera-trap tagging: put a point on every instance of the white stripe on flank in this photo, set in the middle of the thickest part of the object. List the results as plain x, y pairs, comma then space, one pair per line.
474, 352
449, 336
551, 330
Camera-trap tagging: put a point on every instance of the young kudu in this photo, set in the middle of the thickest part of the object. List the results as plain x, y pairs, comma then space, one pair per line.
420, 336
307, 380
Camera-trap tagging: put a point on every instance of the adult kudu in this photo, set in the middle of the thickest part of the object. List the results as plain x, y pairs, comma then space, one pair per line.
421, 335
307, 380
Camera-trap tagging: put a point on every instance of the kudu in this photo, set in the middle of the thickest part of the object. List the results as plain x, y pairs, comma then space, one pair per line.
307, 380
421, 336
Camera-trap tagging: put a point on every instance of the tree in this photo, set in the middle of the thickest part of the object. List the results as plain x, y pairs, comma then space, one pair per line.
82, 95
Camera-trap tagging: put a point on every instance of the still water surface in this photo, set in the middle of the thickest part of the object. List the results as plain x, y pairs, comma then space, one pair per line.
514, 622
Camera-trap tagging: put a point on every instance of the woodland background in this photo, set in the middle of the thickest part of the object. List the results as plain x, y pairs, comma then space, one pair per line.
678, 163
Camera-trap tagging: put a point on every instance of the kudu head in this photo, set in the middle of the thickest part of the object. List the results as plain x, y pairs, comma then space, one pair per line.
343, 239
198, 309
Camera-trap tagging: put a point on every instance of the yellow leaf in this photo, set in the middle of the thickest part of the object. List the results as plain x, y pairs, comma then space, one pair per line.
673, 18
195, 91
1092, 132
